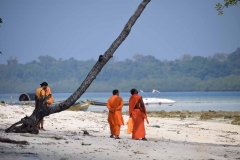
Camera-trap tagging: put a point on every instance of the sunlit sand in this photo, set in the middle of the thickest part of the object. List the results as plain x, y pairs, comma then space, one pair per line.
168, 138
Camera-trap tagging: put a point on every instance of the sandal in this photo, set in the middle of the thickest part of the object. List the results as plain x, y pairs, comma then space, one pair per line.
111, 136
117, 137
144, 139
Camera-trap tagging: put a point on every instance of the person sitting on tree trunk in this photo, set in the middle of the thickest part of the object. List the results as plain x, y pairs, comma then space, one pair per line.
42, 92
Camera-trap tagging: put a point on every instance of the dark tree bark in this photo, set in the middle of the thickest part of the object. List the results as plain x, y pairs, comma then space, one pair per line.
7, 140
29, 124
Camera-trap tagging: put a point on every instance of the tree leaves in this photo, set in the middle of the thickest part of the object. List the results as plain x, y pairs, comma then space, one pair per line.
219, 7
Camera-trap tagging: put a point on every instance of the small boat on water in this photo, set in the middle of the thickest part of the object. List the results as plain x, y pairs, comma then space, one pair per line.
146, 101
79, 106
159, 101
29, 99
103, 103
154, 100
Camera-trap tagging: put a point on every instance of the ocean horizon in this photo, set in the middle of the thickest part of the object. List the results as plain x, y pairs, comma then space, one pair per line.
195, 101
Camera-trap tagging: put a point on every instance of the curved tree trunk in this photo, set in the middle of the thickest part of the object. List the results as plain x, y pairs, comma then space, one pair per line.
29, 124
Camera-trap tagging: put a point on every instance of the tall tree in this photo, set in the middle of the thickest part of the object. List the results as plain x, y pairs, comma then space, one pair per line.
29, 124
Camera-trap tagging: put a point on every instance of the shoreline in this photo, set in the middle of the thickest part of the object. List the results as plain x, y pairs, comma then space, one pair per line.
175, 138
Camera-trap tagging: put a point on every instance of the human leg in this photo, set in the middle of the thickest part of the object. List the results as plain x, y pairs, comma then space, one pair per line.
117, 131
112, 130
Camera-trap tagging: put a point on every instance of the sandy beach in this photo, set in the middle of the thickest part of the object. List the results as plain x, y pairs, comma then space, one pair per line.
168, 138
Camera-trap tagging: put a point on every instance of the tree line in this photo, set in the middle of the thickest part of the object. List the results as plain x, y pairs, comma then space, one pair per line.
220, 72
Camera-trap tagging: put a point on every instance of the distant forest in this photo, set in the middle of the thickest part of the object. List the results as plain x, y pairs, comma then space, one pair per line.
220, 72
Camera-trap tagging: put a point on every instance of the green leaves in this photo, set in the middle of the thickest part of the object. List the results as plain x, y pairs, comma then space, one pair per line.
219, 7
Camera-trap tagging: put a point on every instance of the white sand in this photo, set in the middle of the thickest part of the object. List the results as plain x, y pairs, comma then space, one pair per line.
175, 139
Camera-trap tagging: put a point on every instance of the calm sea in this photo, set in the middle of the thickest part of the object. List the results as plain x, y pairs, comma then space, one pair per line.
196, 101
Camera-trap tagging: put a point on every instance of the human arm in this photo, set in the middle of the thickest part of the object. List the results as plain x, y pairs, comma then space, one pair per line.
120, 106
43, 93
109, 107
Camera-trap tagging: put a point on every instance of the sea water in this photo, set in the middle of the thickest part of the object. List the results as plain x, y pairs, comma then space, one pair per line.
195, 101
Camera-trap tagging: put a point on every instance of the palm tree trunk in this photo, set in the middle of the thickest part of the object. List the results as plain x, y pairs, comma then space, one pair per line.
29, 124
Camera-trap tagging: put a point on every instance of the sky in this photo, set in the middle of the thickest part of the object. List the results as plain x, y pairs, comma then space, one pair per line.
85, 29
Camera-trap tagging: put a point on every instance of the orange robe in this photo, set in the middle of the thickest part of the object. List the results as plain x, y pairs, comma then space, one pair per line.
50, 100
130, 126
138, 116
115, 119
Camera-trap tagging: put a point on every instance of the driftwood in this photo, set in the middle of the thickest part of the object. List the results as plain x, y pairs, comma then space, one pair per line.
29, 124
7, 140
41, 136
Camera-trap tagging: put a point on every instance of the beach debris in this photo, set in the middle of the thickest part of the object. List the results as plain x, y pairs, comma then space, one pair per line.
155, 126
7, 140
41, 136
85, 133
86, 144
138, 152
235, 133
171, 130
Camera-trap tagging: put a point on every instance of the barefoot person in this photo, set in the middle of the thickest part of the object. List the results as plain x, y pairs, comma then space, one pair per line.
42, 92
115, 119
137, 111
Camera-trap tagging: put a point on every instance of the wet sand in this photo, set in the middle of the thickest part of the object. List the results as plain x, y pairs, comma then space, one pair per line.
168, 138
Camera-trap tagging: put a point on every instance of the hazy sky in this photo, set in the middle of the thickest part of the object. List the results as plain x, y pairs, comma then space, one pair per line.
84, 29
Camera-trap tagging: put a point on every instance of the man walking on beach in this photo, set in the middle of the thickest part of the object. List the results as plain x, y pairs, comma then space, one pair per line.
115, 119
137, 111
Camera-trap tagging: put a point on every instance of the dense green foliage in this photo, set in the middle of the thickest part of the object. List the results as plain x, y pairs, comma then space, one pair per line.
220, 72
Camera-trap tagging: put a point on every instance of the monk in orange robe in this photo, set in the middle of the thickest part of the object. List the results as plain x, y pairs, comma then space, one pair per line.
137, 111
115, 119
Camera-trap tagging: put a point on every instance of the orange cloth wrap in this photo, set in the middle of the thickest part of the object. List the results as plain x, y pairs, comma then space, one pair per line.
130, 126
138, 116
132, 103
50, 100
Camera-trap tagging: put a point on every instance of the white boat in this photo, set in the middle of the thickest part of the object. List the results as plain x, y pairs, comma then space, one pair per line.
158, 101
155, 100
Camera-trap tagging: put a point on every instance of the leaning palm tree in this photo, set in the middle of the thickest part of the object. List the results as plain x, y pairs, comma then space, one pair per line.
28, 124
